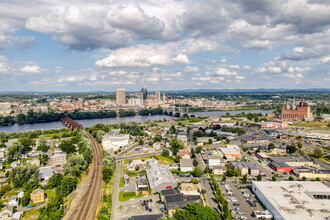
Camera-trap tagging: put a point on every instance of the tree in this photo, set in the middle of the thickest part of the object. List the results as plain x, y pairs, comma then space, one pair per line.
195, 162
141, 142
259, 177
21, 175
177, 159
244, 179
300, 145
157, 138
67, 146
291, 149
54, 181
137, 168
210, 141
26, 198
271, 145
274, 178
317, 179
194, 181
291, 178
75, 165
197, 172
198, 149
26, 143
303, 178
176, 144
227, 141
318, 152
208, 170
68, 184
196, 211
165, 152
224, 178
14, 151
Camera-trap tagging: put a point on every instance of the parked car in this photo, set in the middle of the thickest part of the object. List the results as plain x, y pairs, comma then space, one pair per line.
236, 204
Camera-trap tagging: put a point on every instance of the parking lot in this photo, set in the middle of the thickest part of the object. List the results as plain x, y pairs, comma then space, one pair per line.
138, 206
238, 203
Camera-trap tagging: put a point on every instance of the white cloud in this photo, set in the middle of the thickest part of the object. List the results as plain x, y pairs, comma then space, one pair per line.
298, 50
191, 69
240, 77
293, 76
325, 59
32, 69
224, 72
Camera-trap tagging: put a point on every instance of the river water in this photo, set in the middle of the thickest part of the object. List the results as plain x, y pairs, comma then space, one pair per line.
91, 122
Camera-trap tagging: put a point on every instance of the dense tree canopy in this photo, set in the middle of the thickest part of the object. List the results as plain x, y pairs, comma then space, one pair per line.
196, 211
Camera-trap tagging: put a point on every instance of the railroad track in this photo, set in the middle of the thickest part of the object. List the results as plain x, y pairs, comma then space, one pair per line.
88, 205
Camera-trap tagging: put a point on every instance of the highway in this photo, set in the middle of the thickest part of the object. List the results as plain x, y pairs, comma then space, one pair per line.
87, 206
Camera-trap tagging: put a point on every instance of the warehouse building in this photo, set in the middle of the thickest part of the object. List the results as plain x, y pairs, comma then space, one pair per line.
289, 200
159, 176
286, 163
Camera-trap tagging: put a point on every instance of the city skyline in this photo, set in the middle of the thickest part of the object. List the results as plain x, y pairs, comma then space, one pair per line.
164, 45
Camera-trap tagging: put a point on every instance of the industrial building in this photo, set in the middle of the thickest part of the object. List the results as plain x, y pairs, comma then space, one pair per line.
289, 200
114, 141
287, 163
159, 176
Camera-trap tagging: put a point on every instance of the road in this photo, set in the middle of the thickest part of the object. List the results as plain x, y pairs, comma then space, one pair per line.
209, 196
86, 206
115, 192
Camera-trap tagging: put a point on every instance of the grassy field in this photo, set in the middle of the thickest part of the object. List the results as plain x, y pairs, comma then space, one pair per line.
122, 198
161, 159
121, 183
50, 193
315, 125
31, 214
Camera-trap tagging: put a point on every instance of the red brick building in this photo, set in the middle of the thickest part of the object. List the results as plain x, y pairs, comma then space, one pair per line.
297, 113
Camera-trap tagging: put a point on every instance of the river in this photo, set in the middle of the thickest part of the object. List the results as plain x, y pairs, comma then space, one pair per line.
91, 122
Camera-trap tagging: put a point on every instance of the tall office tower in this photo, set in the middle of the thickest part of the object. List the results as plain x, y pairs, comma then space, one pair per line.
164, 98
158, 97
120, 96
145, 93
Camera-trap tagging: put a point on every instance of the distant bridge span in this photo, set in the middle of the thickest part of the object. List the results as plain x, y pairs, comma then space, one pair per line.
181, 114
70, 123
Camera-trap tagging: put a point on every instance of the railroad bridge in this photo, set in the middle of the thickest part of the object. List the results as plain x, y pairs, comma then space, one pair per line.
70, 123
181, 114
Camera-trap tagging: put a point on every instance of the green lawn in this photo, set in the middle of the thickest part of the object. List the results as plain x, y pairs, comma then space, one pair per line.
121, 183
161, 159
122, 198
51, 193
316, 125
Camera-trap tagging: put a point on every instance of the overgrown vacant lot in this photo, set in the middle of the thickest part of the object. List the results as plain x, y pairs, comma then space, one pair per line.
315, 125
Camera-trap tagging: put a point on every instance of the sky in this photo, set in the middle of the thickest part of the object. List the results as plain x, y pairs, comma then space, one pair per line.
83, 45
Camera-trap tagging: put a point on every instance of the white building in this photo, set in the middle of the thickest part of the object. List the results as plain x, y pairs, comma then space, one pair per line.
114, 141
186, 165
213, 160
289, 200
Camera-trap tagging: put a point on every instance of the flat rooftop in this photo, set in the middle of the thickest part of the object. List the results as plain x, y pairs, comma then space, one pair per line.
294, 199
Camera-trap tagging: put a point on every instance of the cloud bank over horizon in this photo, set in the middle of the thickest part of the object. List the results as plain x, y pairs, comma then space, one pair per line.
81, 45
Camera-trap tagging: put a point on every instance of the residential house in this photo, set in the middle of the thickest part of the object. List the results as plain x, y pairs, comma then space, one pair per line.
142, 183
241, 166
58, 159
156, 146
186, 165
184, 153
134, 163
219, 170
213, 160
2, 153
34, 161
14, 164
6, 213
37, 196
189, 189
13, 201
45, 173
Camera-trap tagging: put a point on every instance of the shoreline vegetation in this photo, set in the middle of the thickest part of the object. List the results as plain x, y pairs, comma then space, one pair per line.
43, 117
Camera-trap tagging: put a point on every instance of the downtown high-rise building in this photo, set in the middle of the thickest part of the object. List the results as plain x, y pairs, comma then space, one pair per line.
145, 93
158, 97
120, 96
